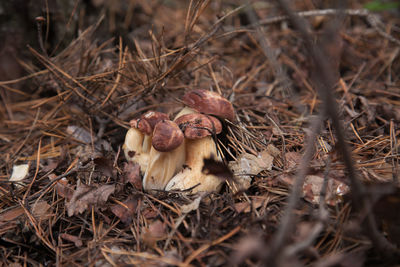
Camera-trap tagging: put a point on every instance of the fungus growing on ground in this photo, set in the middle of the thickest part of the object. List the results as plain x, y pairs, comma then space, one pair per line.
210, 103
138, 138
171, 153
199, 144
167, 155
199, 130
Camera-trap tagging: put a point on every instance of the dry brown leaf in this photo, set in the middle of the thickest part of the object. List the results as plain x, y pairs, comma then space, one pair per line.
247, 165
62, 187
156, 231
131, 175
292, 159
125, 213
41, 210
149, 213
11, 215
104, 166
246, 206
87, 196
312, 189
273, 151
76, 240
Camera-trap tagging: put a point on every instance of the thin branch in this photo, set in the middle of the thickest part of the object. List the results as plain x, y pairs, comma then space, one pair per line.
325, 82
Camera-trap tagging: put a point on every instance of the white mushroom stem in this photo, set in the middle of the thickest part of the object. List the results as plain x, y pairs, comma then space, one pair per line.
162, 166
196, 151
137, 147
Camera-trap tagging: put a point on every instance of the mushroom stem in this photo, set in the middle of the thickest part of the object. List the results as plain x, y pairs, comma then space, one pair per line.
162, 166
147, 143
134, 148
192, 176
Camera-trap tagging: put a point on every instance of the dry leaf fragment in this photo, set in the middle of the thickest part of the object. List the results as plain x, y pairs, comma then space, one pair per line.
155, 232
76, 240
126, 212
292, 159
194, 205
249, 164
84, 136
104, 166
246, 206
87, 196
273, 151
131, 174
19, 172
63, 188
312, 189
79, 134
40, 210
10, 217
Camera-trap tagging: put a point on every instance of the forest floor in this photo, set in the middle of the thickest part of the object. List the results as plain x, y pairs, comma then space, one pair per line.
69, 197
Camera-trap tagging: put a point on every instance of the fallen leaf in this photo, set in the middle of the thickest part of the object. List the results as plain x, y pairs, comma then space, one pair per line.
76, 240
19, 172
41, 210
194, 205
149, 213
246, 207
63, 188
126, 212
312, 189
87, 196
50, 165
131, 174
292, 159
79, 134
153, 233
247, 165
8, 220
104, 166
273, 151
385, 209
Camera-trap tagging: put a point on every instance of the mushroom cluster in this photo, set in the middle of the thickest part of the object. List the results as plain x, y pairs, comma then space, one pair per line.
171, 153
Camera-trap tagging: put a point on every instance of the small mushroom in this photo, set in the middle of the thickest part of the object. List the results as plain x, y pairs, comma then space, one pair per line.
211, 103
167, 155
197, 125
166, 136
139, 138
198, 130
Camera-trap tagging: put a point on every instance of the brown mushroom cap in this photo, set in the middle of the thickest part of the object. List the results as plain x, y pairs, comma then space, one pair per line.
148, 121
153, 117
209, 103
166, 136
198, 125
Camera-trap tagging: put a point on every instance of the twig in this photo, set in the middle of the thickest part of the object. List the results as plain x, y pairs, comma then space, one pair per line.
372, 19
39, 23
325, 82
288, 218
32, 197
270, 53
322, 217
